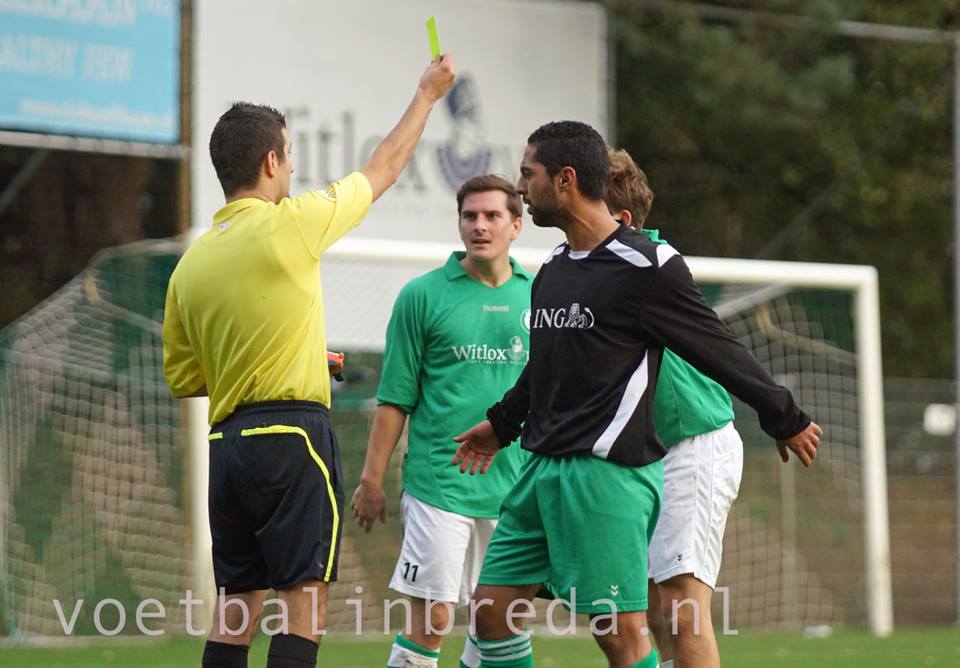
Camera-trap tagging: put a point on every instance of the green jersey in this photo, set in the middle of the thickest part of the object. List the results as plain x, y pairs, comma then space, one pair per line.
454, 346
686, 402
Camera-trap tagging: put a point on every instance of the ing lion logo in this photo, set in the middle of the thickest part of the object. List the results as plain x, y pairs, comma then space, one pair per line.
580, 319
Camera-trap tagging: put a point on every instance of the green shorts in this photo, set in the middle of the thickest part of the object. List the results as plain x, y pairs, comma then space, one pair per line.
580, 526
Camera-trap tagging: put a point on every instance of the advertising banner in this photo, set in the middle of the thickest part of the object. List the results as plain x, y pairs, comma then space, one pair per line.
344, 72
107, 68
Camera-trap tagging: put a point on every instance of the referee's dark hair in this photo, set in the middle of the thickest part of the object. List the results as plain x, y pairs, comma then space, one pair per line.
241, 140
573, 144
486, 183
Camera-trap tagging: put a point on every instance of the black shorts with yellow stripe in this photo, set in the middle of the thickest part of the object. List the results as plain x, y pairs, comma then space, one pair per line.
275, 497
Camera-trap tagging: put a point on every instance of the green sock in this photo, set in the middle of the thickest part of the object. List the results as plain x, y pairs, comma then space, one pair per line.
649, 661
512, 652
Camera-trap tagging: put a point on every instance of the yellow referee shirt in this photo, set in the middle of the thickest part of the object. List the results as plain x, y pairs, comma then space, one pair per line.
244, 311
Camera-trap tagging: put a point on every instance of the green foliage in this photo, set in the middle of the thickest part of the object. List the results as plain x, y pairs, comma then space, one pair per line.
794, 144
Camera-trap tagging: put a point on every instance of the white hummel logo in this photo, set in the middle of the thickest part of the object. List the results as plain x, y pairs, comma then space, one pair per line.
615, 590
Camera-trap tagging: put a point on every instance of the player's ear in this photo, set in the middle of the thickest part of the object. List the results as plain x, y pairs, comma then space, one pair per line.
567, 178
625, 217
517, 226
271, 163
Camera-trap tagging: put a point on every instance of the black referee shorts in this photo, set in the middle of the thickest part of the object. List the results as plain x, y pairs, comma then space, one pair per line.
276, 496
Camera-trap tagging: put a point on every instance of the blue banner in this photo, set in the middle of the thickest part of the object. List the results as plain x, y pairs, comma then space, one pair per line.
93, 68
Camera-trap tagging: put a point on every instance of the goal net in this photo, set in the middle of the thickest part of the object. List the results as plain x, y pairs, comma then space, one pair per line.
92, 502
102, 497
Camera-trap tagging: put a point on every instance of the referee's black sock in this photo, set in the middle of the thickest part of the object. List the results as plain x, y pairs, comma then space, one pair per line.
287, 651
223, 655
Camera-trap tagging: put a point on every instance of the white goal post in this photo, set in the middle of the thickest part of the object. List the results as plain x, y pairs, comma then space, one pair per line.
862, 281
362, 278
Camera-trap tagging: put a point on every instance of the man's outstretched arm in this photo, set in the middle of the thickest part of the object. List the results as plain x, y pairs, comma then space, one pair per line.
481, 443
678, 317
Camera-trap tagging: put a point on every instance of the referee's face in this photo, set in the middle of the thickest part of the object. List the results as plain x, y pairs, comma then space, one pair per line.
536, 188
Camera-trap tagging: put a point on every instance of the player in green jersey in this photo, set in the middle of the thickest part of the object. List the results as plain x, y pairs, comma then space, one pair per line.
458, 337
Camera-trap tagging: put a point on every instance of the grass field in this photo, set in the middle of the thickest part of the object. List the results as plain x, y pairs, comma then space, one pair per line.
907, 648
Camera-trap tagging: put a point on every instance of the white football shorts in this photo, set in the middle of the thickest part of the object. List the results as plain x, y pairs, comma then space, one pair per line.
442, 552
701, 479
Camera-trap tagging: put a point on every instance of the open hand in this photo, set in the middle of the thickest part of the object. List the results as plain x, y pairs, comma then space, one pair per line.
478, 447
804, 445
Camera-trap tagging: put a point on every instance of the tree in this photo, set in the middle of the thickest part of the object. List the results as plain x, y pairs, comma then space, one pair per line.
802, 145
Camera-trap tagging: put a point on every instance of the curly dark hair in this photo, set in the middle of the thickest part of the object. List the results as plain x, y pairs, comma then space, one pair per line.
573, 144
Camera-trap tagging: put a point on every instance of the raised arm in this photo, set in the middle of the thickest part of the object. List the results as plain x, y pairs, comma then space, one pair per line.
394, 152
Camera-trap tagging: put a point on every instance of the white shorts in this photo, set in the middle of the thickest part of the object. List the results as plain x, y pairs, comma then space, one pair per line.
701, 478
442, 552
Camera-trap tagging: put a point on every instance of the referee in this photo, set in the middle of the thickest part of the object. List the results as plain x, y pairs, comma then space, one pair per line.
244, 324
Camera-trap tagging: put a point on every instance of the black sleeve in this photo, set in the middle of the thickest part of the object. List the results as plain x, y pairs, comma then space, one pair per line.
508, 415
676, 315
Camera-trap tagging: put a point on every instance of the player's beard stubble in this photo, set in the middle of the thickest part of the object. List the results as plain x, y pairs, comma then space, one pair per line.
546, 212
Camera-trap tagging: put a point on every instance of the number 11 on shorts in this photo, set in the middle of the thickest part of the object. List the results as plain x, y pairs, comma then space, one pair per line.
410, 571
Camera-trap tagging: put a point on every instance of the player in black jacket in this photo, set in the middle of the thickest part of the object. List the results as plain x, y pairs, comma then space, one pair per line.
604, 305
